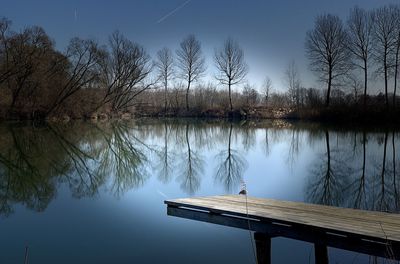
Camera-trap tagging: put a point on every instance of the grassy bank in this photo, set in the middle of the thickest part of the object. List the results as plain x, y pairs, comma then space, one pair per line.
333, 114
337, 114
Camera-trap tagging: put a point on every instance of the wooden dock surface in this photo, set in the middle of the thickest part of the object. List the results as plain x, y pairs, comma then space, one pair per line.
309, 222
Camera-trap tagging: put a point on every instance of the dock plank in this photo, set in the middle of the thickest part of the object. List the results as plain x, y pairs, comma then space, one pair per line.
314, 211
366, 224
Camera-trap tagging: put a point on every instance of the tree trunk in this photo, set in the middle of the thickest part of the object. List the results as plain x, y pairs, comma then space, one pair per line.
396, 67
385, 66
328, 94
187, 97
365, 83
165, 96
230, 95
394, 169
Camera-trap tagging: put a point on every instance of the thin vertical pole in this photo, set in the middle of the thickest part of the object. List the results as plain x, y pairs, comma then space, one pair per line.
26, 255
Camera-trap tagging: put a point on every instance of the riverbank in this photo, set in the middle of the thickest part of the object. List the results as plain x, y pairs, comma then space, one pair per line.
334, 114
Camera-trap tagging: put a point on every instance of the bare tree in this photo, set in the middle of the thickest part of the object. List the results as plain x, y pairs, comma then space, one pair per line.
34, 73
384, 41
356, 86
124, 72
5, 71
267, 89
26, 51
250, 95
360, 29
190, 62
231, 65
293, 83
397, 52
39, 78
82, 62
326, 50
164, 65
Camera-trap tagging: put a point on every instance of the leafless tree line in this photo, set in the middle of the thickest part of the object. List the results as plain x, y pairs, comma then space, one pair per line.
88, 78
369, 41
36, 80
345, 55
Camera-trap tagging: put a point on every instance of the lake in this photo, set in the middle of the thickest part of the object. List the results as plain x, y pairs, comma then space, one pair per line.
93, 192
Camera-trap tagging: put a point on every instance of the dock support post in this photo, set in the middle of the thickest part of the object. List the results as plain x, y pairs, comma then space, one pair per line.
321, 254
263, 248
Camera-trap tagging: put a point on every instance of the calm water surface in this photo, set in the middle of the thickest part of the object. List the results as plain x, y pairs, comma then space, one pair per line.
93, 192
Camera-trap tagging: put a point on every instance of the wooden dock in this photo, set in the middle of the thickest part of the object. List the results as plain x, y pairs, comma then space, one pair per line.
368, 232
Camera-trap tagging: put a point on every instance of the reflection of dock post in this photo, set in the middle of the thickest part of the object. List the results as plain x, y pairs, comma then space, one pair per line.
263, 248
321, 254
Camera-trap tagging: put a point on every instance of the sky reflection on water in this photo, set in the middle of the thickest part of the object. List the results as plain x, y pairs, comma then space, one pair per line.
93, 192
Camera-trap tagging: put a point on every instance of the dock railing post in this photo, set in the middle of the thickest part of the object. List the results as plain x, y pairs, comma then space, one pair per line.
263, 247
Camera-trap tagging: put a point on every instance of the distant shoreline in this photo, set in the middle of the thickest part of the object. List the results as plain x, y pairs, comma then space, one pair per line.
337, 114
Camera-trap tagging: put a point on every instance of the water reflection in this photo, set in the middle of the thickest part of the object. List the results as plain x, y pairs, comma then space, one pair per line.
124, 156
363, 178
349, 168
231, 164
329, 176
24, 177
34, 160
191, 166
166, 157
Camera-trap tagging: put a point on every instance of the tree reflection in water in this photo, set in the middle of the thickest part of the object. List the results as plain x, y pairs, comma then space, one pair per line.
230, 166
329, 177
24, 177
361, 182
358, 185
192, 167
80, 176
35, 160
123, 158
166, 158
358, 169
395, 182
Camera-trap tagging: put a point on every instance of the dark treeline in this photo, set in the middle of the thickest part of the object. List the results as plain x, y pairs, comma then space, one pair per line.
37, 81
90, 80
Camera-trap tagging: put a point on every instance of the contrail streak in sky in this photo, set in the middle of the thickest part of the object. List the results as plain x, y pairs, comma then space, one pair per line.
173, 12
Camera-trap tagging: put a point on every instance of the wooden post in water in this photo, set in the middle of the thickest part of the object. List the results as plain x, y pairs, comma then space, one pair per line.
263, 248
321, 254
26, 255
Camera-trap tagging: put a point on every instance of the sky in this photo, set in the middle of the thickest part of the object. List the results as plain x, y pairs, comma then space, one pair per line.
271, 33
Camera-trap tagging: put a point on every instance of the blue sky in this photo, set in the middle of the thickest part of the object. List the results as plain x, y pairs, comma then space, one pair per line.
271, 32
